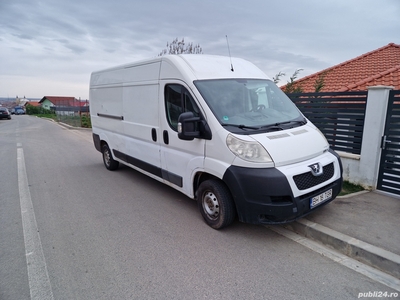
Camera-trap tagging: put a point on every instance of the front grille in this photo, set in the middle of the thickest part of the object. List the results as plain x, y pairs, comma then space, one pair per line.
307, 180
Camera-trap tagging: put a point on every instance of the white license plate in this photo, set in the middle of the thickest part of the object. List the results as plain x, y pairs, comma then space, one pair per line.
321, 198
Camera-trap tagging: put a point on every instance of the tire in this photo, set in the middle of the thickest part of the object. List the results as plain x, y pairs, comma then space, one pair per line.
215, 203
108, 160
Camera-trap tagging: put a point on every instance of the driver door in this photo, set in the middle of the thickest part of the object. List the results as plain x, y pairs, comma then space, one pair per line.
179, 158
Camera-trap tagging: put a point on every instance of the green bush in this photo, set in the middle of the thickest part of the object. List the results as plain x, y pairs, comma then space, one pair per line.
38, 110
85, 121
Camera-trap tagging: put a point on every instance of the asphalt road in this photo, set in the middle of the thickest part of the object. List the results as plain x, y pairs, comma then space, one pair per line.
70, 229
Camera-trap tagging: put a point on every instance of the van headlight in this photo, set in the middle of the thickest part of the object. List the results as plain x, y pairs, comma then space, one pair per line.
250, 151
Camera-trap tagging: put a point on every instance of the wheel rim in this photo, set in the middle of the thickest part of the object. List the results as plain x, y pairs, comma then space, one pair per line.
211, 205
107, 158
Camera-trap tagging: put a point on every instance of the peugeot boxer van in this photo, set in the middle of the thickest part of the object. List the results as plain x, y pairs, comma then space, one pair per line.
218, 130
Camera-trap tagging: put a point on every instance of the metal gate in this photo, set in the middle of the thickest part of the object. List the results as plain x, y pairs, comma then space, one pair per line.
389, 169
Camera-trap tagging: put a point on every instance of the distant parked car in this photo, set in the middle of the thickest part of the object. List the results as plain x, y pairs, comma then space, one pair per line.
12, 111
19, 111
4, 113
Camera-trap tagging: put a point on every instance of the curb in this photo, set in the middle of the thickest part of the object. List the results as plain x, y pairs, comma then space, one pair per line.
66, 125
376, 257
72, 127
353, 194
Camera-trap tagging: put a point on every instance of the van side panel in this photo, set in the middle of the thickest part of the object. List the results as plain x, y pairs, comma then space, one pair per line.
106, 113
129, 73
124, 112
108, 104
140, 106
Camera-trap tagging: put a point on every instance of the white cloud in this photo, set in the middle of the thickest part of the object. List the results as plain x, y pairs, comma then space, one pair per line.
51, 47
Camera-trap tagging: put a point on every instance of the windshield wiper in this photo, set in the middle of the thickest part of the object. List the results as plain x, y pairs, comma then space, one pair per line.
281, 123
275, 126
278, 126
301, 122
241, 126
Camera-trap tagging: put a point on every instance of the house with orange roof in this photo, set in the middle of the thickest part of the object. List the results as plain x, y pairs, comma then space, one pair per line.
378, 67
32, 103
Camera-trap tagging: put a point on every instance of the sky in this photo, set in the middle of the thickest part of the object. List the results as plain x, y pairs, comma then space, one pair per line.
50, 47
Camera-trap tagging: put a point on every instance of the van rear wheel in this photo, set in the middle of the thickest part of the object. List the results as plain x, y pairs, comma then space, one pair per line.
215, 203
108, 160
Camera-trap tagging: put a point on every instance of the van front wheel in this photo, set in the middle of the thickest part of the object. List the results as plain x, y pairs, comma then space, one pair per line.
108, 160
215, 203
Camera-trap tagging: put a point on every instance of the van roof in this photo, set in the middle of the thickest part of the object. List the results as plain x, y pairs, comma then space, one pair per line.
213, 66
188, 67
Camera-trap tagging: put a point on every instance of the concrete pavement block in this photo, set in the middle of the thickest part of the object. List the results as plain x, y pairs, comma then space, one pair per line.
366, 253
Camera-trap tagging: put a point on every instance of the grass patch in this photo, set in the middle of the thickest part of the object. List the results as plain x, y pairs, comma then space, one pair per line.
49, 116
349, 188
75, 121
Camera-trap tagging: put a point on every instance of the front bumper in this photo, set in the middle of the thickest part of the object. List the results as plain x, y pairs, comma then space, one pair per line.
265, 196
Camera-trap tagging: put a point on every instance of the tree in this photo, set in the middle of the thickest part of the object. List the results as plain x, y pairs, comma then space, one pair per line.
278, 76
320, 82
179, 47
291, 86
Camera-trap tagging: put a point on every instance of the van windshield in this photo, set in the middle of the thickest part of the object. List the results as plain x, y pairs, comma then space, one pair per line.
243, 105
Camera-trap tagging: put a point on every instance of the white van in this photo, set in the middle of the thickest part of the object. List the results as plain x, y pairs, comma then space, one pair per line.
218, 130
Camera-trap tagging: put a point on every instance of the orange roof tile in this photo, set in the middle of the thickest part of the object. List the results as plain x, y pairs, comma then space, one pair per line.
33, 103
378, 67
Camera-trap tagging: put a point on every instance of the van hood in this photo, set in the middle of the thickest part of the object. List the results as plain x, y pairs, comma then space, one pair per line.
293, 145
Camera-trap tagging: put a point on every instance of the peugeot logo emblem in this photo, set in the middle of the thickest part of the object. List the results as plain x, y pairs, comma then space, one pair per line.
316, 169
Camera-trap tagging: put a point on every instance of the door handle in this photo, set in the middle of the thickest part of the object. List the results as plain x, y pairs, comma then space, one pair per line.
165, 137
154, 134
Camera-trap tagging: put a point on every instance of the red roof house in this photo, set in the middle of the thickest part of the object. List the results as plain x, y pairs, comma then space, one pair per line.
60, 101
378, 67
32, 103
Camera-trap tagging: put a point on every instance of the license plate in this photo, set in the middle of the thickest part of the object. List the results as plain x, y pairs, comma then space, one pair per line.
321, 198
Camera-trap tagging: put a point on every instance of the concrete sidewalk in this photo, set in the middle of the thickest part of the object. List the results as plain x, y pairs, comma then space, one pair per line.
364, 226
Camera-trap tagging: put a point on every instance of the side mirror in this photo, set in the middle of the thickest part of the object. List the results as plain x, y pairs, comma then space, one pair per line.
190, 127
